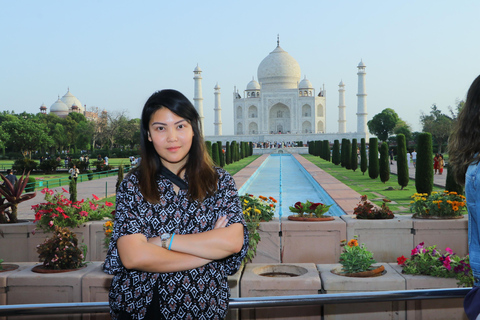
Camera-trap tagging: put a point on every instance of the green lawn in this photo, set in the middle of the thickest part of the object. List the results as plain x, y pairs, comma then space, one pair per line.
374, 189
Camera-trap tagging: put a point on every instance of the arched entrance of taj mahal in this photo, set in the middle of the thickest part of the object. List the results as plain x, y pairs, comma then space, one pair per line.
279, 119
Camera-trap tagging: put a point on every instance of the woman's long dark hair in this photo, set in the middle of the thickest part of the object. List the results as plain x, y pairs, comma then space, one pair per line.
202, 178
464, 142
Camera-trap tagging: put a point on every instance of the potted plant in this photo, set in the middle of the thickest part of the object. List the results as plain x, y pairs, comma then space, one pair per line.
438, 205
256, 210
61, 252
357, 261
367, 210
310, 211
13, 195
432, 262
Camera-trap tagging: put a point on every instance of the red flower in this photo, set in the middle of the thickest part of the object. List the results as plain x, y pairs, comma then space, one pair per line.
65, 190
83, 213
314, 206
93, 206
95, 197
65, 216
401, 260
298, 205
108, 204
59, 210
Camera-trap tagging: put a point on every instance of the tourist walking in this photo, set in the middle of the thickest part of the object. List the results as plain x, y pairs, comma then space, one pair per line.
464, 161
179, 229
74, 172
414, 158
11, 177
441, 163
435, 163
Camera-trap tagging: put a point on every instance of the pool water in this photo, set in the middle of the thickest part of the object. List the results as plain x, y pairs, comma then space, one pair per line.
281, 176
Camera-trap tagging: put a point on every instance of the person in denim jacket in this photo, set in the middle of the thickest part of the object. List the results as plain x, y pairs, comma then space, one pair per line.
464, 153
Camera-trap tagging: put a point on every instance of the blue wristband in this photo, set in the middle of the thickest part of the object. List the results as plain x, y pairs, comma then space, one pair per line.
171, 240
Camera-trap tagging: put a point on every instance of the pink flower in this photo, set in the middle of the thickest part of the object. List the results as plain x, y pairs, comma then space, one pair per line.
95, 197
446, 263
44, 190
50, 223
83, 213
93, 206
449, 250
65, 190
414, 251
108, 204
50, 192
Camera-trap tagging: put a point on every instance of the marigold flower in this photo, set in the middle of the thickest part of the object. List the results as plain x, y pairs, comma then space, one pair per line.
257, 211
353, 243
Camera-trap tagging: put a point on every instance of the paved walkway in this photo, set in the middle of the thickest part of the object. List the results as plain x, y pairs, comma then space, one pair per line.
438, 179
343, 195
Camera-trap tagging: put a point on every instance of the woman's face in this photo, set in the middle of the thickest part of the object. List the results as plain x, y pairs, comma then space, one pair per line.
172, 137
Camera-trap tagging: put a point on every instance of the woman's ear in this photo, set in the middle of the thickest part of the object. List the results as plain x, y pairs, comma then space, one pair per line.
149, 137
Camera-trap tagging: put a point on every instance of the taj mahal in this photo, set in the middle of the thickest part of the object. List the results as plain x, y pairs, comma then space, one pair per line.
280, 106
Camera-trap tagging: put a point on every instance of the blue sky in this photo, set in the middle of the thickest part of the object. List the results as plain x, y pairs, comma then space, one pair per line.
115, 54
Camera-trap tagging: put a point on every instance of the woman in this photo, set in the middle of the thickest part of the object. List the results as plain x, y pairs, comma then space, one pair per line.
179, 229
441, 163
464, 157
74, 172
435, 163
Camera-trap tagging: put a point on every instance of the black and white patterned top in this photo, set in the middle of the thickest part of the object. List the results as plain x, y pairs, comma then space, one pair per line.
200, 293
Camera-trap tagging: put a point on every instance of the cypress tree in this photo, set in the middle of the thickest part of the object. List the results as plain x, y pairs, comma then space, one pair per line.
208, 144
251, 149
327, 150
215, 157
310, 148
221, 155
228, 153
373, 158
336, 152
343, 153
120, 177
402, 164
452, 185
317, 148
72, 189
424, 168
354, 155
384, 163
348, 154
363, 156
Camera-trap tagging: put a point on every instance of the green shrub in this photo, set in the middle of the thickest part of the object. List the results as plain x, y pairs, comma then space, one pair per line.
348, 154
424, 168
49, 166
373, 158
451, 184
402, 163
90, 174
384, 163
24, 165
343, 152
31, 184
228, 153
363, 156
72, 189
336, 152
215, 157
354, 155
208, 145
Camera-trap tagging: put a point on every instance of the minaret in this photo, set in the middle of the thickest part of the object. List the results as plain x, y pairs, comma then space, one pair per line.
342, 119
362, 101
198, 99
218, 112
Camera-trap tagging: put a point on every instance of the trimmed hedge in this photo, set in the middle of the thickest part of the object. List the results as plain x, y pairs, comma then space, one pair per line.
354, 155
402, 163
363, 156
373, 158
424, 169
384, 163
336, 153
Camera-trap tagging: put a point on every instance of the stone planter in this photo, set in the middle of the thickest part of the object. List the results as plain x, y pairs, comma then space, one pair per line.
388, 239
3, 282
304, 280
234, 285
268, 248
439, 309
27, 287
332, 283
96, 249
15, 235
452, 233
307, 242
95, 288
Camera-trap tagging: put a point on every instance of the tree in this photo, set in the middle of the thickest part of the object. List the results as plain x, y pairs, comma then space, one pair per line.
451, 184
208, 146
228, 154
221, 155
84, 135
403, 129
402, 165
343, 152
27, 136
373, 158
439, 125
215, 154
354, 155
383, 123
348, 154
424, 169
363, 156
336, 152
384, 163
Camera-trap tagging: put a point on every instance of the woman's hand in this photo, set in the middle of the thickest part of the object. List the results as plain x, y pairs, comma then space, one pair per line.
221, 222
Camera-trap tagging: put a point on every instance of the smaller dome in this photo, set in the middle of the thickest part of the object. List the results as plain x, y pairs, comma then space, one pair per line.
59, 106
361, 64
217, 87
197, 69
253, 85
341, 84
43, 107
305, 84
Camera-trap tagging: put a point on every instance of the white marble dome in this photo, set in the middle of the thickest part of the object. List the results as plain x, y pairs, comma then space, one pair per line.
305, 84
253, 85
70, 100
59, 108
279, 70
